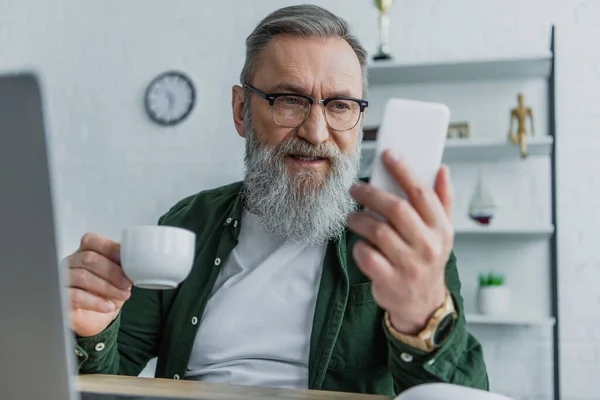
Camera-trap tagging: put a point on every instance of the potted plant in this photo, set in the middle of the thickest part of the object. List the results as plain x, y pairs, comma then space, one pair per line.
493, 296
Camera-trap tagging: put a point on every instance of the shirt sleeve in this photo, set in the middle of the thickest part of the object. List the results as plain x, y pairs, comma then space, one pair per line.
98, 354
458, 361
129, 342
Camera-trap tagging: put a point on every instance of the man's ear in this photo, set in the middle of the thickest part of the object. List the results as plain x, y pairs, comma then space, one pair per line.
237, 107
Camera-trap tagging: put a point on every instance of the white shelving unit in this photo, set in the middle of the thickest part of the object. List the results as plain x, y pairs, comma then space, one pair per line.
512, 232
395, 73
526, 251
475, 319
481, 149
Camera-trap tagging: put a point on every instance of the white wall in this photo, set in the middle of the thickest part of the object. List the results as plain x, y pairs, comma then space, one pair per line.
112, 168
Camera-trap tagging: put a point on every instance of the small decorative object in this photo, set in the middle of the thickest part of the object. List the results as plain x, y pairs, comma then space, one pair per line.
169, 98
459, 130
520, 114
493, 296
384, 51
482, 206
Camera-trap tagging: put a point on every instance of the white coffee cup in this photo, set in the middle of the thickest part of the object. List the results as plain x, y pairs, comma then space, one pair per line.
156, 256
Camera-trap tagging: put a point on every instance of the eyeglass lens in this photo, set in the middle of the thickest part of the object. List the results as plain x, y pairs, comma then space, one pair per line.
291, 111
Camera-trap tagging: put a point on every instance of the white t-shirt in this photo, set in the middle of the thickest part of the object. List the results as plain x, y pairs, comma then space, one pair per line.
257, 324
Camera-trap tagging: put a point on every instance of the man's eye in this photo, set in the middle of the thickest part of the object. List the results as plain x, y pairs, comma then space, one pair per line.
290, 100
339, 106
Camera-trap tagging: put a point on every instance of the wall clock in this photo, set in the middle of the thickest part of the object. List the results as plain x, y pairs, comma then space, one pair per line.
170, 98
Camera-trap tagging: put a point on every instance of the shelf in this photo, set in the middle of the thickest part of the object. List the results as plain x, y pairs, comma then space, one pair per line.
476, 231
483, 149
476, 319
390, 72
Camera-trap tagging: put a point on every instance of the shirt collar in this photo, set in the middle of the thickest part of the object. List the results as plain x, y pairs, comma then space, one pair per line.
232, 219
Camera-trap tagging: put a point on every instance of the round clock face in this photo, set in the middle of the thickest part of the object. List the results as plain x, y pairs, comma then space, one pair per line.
170, 98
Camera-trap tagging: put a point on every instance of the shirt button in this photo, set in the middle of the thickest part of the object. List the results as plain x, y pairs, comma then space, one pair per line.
176, 376
217, 261
99, 347
79, 353
194, 321
406, 357
228, 220
235, 223
431, 362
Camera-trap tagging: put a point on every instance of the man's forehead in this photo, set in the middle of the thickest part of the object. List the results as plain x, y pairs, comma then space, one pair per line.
305, 62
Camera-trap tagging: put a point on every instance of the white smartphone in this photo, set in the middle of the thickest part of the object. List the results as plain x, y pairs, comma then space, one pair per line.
416, 132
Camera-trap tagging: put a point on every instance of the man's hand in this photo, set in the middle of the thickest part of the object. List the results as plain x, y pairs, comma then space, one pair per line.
98, 286
405, 255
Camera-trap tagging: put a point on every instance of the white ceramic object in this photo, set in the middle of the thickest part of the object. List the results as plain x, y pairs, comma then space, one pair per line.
446, 391
493, 300
157, 257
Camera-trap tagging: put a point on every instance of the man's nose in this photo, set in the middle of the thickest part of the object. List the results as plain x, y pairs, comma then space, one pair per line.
315, 129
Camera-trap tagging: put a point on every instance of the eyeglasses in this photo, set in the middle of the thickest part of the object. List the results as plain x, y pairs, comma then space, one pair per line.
290, 110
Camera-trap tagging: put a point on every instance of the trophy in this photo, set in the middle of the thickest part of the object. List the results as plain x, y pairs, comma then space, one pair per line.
384, 51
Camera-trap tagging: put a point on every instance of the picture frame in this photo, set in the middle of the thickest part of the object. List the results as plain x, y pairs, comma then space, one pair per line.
459, 130
370, 133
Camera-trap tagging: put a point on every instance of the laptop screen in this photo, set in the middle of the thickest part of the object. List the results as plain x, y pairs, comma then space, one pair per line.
34, 335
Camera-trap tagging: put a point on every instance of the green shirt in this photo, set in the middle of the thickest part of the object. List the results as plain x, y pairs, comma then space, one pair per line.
351, 350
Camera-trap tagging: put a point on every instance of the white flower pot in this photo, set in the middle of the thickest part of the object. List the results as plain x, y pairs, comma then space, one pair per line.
493, 300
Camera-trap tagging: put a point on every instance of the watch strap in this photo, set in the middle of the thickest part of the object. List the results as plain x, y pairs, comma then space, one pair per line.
424, 340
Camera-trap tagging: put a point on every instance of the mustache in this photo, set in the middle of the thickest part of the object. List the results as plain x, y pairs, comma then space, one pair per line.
299, 146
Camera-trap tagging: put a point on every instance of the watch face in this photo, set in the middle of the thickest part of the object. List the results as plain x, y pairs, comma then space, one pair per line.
443, 330
170, 98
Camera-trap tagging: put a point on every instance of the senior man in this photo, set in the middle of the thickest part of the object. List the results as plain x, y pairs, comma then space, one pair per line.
295, 285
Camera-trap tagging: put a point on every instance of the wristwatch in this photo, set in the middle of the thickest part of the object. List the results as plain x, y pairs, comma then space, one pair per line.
436, 331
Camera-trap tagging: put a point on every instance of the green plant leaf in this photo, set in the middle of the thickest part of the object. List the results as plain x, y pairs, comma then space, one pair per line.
491, 279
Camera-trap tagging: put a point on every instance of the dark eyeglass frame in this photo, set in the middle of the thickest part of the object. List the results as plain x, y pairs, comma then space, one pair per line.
271, 97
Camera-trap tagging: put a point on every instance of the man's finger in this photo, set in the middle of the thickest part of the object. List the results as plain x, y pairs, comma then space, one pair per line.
372, 263
82, 278
397, 211
102, 245
422, 198
445, 190
80, 299
100, 266
380, 235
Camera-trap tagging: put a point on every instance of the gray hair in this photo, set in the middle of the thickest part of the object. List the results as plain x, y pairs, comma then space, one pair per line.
305, 20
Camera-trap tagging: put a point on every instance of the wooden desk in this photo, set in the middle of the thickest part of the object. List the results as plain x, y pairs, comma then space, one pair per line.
127, 385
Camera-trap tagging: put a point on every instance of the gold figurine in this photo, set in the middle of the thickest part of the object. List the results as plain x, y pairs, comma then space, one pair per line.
384, 51
520, 114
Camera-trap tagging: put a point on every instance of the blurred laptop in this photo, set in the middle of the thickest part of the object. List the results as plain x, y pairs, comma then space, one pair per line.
37, 356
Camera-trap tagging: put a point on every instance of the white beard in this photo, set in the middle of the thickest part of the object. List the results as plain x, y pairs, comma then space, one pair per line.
309, 207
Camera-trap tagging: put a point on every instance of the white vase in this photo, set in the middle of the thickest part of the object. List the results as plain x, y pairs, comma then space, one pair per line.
493, 300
